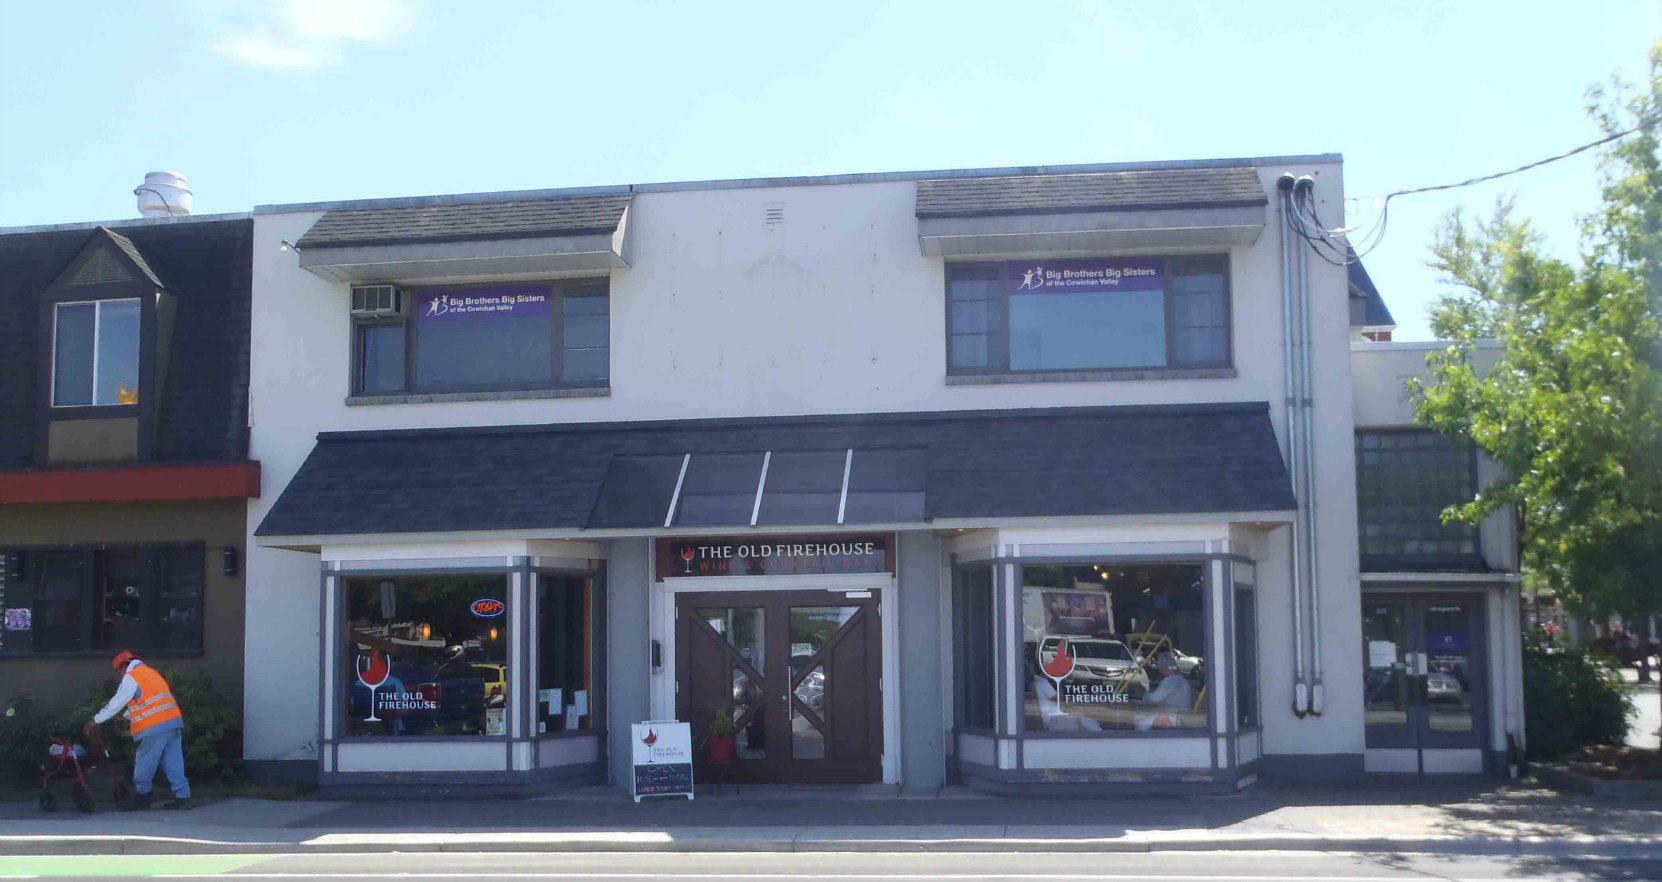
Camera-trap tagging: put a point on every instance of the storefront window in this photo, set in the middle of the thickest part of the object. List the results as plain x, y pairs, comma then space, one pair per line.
565, 612
426, 656
1113, 647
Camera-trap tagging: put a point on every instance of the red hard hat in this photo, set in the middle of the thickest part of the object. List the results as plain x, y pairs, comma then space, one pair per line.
121, 659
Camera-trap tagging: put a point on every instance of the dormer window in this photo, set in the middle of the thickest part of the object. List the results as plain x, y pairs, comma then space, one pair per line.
95, 353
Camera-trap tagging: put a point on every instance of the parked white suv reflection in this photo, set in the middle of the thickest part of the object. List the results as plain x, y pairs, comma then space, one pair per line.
1098, 659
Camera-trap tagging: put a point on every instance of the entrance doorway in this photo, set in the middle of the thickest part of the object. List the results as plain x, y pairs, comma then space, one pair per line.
799, 674
1424, 683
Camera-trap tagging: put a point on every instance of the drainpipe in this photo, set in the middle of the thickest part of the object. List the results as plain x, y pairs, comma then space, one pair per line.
1307, 184
1301, 697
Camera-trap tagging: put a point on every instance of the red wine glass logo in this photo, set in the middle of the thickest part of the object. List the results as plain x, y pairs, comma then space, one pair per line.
686, 559
373, 671
1059, 667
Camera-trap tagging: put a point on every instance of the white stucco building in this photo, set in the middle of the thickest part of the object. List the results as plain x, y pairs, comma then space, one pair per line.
988, 476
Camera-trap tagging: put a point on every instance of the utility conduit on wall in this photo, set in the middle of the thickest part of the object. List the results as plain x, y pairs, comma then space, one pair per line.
1301, 694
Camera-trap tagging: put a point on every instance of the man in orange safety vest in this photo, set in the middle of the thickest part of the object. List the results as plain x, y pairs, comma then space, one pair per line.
158, 729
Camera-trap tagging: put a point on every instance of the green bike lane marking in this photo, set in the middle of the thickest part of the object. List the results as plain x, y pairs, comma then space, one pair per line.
49, 866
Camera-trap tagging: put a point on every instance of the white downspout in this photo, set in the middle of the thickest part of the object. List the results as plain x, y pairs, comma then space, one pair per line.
1312, 547
1301, 697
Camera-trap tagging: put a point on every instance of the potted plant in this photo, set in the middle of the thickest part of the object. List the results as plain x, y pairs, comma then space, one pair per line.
721, 738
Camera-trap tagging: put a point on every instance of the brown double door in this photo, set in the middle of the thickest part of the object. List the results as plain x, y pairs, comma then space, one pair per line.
799, 674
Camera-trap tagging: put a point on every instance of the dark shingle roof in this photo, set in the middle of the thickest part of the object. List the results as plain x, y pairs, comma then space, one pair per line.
203, 412
128, 248
1374, 312
1109, 191
980, 464
459, 222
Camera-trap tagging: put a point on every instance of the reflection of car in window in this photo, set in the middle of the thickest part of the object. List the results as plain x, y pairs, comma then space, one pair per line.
1441, 686
1097, 659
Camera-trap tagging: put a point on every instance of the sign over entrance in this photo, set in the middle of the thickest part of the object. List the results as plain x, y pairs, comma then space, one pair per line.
776, 555
662, 759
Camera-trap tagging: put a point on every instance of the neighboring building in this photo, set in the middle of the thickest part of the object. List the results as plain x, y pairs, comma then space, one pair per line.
1441, 617
853, 458
124, 468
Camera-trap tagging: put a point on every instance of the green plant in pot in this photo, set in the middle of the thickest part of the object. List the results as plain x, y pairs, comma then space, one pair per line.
721, 738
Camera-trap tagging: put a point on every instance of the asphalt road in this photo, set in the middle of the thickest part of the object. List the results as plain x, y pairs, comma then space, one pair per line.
825, 867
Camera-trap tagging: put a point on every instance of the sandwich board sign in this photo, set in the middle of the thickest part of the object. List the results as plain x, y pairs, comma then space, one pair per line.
662, 759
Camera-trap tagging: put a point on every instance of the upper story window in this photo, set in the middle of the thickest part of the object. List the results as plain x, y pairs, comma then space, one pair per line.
95, 353
1404, 480
1088, 314
504, 337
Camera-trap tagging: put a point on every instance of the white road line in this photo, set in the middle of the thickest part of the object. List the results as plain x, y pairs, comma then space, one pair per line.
908, 877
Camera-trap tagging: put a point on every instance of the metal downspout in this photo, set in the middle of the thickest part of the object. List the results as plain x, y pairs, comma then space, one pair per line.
1290, 403
1312, 547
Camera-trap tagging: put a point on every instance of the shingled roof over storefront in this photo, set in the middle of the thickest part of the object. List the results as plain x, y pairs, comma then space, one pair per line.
562, 216
976, 464
1107, 191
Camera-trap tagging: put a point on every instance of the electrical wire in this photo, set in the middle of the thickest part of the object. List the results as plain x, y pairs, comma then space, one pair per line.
1306, 225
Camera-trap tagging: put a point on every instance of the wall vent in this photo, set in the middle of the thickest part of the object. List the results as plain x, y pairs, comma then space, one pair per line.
100, 268
773, 213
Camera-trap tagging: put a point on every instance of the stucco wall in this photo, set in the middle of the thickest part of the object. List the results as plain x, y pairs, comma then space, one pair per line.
59, 682
834, 311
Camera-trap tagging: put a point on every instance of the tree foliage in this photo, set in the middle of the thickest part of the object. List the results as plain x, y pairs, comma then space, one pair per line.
1572, 411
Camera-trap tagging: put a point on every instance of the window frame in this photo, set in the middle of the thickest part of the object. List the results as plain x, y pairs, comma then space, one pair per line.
1001, 358
98, 305
559, 290
90, 601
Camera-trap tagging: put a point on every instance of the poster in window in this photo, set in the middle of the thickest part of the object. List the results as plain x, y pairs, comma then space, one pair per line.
453, 306
1096, 275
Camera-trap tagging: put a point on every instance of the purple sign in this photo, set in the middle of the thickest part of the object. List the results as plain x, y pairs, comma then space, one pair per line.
1092, 275
498, 301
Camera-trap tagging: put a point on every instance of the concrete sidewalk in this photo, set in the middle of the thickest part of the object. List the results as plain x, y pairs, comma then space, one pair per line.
1463, 817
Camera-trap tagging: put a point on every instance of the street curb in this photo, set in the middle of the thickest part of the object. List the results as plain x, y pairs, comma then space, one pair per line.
709, 841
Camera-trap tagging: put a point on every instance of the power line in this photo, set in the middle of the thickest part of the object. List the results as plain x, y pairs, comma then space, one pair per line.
1376, 235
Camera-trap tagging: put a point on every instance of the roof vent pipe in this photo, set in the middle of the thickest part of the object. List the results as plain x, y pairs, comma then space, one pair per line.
163, 194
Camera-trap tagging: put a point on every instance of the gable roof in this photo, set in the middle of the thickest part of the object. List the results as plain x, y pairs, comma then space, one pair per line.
564, 216
128, 248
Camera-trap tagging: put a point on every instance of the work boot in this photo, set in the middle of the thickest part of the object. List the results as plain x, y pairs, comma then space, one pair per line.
180, 804
137, 802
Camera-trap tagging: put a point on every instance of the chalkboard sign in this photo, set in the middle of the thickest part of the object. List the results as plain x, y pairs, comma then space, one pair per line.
662, 759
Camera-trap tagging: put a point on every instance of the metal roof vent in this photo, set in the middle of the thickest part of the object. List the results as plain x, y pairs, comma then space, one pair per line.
163, 194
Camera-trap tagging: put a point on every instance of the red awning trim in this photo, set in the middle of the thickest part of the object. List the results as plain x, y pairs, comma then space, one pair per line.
133, 483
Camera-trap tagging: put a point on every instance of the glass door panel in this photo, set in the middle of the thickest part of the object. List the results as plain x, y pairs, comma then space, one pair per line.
1451, 681
1386, 693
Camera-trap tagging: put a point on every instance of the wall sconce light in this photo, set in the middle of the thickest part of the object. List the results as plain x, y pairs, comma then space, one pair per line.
228, 560
657, 656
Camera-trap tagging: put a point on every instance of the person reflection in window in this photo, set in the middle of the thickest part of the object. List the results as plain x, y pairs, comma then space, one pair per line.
1171, 696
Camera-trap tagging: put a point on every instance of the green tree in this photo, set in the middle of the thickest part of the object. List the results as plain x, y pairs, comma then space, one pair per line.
1572, 412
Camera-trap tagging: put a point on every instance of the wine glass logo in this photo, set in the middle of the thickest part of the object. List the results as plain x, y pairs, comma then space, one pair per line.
1059, 666
686, 559
373, 671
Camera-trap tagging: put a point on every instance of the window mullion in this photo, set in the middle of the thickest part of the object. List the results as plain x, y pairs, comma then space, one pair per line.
97, 322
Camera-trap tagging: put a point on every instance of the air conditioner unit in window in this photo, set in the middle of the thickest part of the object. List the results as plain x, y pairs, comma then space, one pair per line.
377, 300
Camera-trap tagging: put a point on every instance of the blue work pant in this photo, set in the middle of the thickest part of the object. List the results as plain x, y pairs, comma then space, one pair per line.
165, 749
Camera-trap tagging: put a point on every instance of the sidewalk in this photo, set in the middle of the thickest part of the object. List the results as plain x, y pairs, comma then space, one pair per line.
1463, 817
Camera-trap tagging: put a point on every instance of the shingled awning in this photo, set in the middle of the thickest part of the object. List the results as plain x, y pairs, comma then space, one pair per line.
435, 240
1090, 213
892, 470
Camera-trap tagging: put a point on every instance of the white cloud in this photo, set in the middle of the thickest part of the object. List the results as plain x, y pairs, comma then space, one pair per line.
299, 35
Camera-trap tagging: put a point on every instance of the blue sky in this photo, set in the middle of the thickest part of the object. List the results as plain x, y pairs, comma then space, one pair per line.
300, 100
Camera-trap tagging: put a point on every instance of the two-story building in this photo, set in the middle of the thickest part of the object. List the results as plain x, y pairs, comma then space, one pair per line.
124, 467
1015, 477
